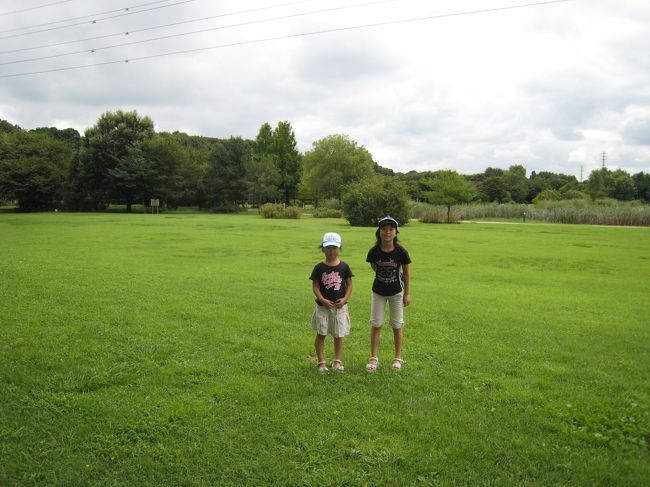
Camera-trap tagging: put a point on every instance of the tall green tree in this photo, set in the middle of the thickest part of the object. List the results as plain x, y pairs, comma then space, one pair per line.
493, 186
517, 183
540, 181
288, 160
334, 163
598, 183
449, 188
262, 179
6, 127
642, 184
166, 159
264, 140
34, 167
192, 153
622, 186
618, 184
225, 182
149, 170
111, 160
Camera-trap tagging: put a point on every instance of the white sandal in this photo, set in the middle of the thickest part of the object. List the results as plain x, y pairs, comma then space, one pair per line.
339, 367
370, 367
397, 363
322, 367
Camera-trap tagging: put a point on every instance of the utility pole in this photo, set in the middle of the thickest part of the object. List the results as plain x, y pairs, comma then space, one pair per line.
603, 157
581, 167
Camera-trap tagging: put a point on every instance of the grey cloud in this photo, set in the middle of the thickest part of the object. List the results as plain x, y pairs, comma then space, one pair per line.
637, 131
341, 62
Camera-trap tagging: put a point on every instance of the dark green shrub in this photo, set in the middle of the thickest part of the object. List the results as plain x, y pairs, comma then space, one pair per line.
368, 200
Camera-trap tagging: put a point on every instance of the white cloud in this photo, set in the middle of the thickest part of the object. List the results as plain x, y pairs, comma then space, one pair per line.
550, 86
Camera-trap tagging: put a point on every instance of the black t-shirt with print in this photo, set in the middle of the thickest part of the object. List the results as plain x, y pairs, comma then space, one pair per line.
388, 276
331, 280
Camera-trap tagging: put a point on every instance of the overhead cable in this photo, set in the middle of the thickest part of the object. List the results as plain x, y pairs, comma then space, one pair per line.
201, 31
153, 27
288, 36
90, 16
33, 8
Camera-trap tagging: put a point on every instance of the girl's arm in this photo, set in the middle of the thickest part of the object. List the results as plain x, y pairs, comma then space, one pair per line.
407, 284
348, 291
316, 289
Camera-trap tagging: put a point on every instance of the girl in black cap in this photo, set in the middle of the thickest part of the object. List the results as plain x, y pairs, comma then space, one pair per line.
390, 261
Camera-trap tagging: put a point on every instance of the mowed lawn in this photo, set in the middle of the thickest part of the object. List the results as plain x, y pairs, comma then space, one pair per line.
176, 350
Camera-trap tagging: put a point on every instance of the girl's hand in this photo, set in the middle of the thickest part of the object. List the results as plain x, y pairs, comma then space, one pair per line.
329, 304
339, 303
406, 300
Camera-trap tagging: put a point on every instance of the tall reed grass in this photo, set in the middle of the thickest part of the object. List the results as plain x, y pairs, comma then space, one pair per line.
575, 212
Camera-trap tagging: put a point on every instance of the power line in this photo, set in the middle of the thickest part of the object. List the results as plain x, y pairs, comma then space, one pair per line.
134, 31
288, 36
201, 31
124, 9
33, 8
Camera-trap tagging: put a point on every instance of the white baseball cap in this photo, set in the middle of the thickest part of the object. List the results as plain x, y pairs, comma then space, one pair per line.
331, 239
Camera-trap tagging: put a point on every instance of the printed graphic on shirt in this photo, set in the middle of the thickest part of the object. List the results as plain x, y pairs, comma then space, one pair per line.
331, 280
387, 271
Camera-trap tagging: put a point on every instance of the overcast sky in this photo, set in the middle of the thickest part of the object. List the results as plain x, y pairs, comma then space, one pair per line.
470, 84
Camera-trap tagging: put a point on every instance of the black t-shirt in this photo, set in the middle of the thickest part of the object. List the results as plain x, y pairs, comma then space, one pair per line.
388, 277
331, 280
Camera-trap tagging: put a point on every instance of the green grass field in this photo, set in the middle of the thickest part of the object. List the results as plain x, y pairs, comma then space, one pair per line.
176, 350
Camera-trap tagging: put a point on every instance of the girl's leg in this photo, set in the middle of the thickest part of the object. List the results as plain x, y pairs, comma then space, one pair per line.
375, 334
337, 365
377, 317
338, 348
320, 347
396, 306
398, 336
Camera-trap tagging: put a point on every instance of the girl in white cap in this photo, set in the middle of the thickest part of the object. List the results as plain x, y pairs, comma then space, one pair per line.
332, 286
390, 261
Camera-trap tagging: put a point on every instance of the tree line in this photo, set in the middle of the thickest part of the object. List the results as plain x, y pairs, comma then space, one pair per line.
123, 160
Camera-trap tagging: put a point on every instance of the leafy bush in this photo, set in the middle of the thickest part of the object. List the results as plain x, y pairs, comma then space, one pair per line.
292, 212
370, 199
327, 213
273, 210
